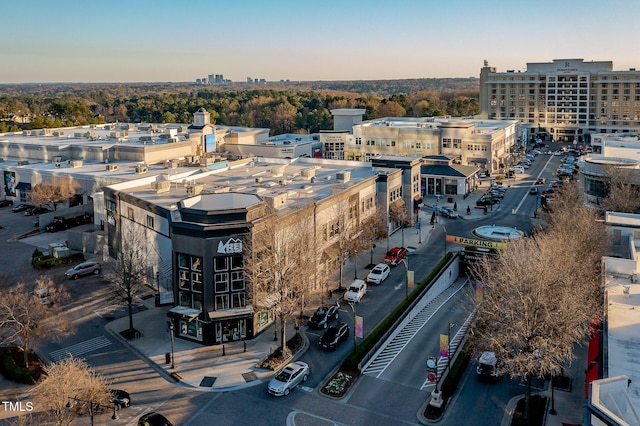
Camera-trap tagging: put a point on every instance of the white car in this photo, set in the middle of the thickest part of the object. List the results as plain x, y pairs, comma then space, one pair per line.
379, 273
356, 291
288, 378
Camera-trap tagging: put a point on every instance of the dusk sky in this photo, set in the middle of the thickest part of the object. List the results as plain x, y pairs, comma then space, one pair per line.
178, 41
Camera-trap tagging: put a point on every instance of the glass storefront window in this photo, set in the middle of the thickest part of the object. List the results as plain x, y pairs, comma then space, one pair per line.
191, 329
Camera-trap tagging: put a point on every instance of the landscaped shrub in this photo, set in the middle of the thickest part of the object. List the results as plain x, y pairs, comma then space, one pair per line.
45, 262
11, 370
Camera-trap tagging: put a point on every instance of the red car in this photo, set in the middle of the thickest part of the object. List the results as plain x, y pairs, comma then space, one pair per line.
395, 255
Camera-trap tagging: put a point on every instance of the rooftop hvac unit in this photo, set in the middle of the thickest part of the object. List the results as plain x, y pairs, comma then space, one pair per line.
194, 189
23, 163
112, 167
308, 173
161, 186
141, 169
343, 176
258, 180
75, 163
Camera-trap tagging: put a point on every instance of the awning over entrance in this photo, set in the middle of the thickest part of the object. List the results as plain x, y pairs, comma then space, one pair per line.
477, 160
231, 313
23, 186
184, 312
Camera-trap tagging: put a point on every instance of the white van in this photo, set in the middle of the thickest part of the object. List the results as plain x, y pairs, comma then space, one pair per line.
518, 169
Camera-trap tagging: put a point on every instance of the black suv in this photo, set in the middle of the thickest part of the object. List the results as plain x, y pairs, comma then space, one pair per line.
324, 315
337, 333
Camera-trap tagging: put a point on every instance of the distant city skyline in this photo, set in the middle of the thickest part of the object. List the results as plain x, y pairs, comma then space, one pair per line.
163, 40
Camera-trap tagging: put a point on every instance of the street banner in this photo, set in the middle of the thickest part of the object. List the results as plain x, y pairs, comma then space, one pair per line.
479, 290
444, 346
476, 243
359, 326
410, 279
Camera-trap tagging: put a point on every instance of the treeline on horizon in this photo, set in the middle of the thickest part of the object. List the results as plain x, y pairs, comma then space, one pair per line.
285, 107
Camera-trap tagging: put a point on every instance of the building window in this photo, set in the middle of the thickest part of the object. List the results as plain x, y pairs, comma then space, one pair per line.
221, 280
149, 221
358, 141
229, 282
222, 302
110, 205
446, 143
190, 281
130, 213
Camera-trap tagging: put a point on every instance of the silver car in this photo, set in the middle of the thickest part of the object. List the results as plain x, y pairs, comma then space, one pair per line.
85, 268
288, 378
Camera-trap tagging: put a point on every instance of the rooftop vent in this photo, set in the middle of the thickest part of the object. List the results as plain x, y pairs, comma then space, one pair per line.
112, 167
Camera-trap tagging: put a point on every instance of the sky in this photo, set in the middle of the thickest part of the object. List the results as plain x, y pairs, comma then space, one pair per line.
302, 40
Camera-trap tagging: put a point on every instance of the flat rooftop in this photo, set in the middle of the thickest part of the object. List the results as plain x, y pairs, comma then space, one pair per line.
296, 182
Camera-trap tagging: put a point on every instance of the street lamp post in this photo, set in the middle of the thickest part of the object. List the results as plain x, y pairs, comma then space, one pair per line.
355, 314
445, 239
449, 346
405, 262
173, 364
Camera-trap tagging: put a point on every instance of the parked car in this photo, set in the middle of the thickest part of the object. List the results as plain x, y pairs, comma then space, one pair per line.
68, 221
85, 268
540, 181
395, 255
121, 398
533, 190
34, 211
379, 273
487, 201
288, 378
21, 208
448, 212
154, 419
43, 295
356, 291
5, 203
488, 366
323, 316
336, 334
518, 169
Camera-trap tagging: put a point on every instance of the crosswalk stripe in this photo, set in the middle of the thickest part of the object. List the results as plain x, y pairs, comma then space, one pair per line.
80, 348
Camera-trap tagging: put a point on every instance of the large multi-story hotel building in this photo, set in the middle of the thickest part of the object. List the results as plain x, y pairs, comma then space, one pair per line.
566, 100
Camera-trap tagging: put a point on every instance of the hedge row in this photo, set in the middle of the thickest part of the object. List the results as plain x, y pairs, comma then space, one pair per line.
40, 261
11, 371
351, 362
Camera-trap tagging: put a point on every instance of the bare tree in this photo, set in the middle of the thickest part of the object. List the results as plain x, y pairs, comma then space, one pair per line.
623, 190
532, 315
343, 229
281, 264
26, 316
68, 388
129, 272
399, 213
55, 191
374, 228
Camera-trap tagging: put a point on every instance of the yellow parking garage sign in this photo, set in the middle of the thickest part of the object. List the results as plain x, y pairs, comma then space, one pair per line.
476, 243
